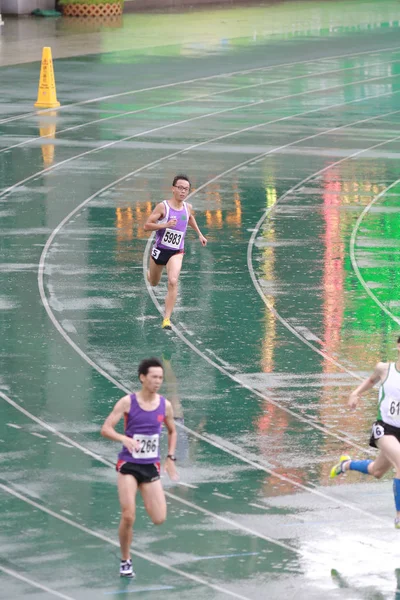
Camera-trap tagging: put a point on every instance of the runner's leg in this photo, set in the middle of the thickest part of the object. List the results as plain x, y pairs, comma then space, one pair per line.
154, 501
154, 273
174, 266
127, 488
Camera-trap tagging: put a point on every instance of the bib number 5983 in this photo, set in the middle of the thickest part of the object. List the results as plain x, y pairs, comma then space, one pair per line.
172, 238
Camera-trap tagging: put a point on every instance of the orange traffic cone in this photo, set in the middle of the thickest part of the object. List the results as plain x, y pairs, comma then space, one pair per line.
47, 96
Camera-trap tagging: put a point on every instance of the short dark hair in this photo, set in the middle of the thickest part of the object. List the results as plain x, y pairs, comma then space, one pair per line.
178, 177
147, 363
398, 340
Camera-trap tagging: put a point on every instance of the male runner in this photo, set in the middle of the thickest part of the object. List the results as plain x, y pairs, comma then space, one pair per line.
385, 431
138, 466
169, 220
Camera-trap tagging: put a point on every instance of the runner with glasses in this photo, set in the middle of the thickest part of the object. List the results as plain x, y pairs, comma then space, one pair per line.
170, 220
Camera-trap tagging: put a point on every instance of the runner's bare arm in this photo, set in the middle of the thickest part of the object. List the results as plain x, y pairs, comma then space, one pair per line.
108, 430
379, 374
172, 437
193, 224
158, 214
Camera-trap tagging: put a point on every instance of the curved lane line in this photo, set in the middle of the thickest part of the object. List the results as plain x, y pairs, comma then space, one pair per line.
215, 113
55, 232
104, 538
207, 78
193, 98
35, 584
226, 110
109, 377
108, 463
353, 254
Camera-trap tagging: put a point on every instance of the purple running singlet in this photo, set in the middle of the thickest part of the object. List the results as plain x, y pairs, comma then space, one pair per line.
144, 426
173, 238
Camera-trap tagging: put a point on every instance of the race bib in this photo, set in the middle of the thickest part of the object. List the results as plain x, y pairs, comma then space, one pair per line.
146, 446
172, 239
377, 431
394, 410
155, 252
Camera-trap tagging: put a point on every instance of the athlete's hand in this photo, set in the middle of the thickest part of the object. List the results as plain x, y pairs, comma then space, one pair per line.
172, 222
353, 400
170, 468
203, 240
131, 444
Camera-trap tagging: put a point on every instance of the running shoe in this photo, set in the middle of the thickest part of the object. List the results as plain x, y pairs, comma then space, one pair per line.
397, 523
125, 568
166, 324
338, 469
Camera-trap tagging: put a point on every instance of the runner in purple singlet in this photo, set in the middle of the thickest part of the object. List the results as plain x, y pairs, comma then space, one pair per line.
169, 220
138, 463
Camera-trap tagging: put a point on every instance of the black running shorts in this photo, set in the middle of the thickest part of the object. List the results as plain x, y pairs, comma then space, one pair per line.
161, 257
142, 473
379, 429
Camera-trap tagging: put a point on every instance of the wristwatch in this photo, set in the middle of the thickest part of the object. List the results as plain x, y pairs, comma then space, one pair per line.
172, 457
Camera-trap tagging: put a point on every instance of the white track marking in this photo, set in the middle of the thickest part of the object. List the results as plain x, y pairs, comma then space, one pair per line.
234, 524
104, 538
194, 98
232, 452
82, 354
55, 232
206, 78
326, 356
255, 233
69, 340
200, 117
35, 584
110, 464
353, 255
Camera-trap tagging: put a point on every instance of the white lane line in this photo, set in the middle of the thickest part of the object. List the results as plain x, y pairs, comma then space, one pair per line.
270, 307
216, 556
188, 485
259, 506
109, 377
52, 429
206, 78
199, 97
225, 496
104, 538
106, 462
232, 451
55, 232
353, 255
33, 583
234, 524
200, 117
218, 366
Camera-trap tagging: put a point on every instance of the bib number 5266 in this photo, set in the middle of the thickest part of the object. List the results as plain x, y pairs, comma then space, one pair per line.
146, 446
